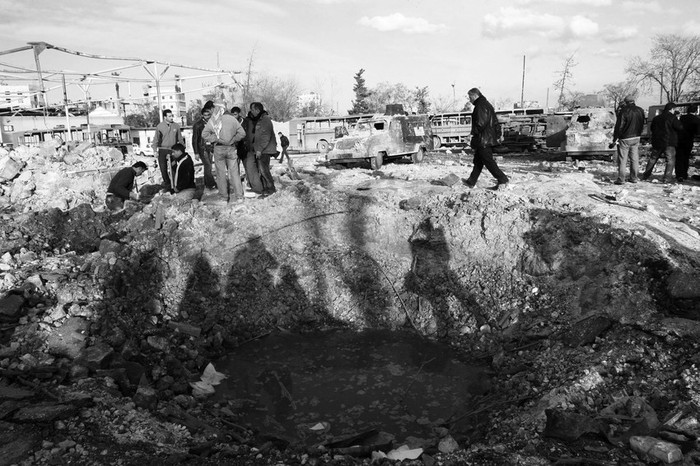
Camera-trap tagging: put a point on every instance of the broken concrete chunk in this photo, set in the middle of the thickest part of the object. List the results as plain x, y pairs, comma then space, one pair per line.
10, 168
449, 180
45, 412
146, 398
98, 356
650, 447
185, 328
448, 445
569, 426
683, 285
11, 307
585, 331
69, 339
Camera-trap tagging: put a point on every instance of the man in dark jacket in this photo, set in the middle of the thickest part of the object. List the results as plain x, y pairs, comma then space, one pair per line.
485, 134
263, 144
284, 142
202, 150
183, 174
691, 126
121, 186
628, 130
664, 139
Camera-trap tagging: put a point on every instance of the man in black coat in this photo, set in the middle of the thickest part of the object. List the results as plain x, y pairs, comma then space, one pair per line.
664, 140
628, 130
184, 187
202, 151
485, 135
691, 126
121, 186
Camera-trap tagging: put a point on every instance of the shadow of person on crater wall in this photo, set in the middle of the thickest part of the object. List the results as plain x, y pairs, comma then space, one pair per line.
432, 279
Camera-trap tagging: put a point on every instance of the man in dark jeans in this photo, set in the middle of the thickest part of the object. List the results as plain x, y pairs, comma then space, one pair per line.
202, 150
664, 139
284, 142
167, 135
628, 130
485, 134
262, 144
691, 126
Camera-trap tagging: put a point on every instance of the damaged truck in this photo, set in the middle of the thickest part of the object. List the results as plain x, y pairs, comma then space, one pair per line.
381, 138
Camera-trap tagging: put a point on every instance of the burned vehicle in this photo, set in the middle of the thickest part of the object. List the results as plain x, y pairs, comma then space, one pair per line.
382, 138
589, 132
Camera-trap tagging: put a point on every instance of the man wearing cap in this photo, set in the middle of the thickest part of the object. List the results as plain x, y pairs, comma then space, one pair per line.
628, 129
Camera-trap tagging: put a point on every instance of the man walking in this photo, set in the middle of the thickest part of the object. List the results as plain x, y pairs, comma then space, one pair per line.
223, 131
485, 134
284, 142
202, 150
664, 139
691, 126
628, 130
167, 135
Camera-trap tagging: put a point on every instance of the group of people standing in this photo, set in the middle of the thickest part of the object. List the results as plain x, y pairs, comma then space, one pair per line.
221, 139
671, 137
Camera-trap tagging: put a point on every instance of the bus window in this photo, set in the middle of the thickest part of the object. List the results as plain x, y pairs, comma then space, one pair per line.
379, 125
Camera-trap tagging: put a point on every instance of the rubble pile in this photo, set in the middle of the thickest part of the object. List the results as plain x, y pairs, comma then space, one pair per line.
56, 175
108, 319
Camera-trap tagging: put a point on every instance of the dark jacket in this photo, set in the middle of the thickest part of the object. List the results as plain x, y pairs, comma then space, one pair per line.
198, 143
484, 123
630, 122
664, 130
691, 127
243, 144
183, 173
284, 141
262, 138
122, 183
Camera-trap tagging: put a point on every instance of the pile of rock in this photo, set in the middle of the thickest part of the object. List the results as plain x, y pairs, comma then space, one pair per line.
54, 175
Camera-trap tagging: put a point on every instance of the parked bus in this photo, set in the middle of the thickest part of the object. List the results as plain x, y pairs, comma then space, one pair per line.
118, 136
314, 133
451, 129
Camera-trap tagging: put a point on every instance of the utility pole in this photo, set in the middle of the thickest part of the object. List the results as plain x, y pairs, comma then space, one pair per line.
546, 105
522, 87
454, 99
65, 106
39, 47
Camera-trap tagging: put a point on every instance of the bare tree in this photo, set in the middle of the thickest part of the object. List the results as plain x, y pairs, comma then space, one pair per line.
615, 92
278, 95
565, 78
571, 100
673, 64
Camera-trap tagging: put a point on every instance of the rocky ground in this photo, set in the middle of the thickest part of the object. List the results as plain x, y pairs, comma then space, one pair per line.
579, 295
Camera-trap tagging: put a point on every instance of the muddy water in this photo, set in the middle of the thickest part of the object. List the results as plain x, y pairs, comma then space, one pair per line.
394, 382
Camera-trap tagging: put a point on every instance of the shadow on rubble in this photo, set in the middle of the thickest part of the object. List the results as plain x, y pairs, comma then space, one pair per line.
344, 247
264, 292
605, 270
432, 279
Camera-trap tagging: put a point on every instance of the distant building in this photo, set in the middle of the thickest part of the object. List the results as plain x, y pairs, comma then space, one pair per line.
171, 97
309, 100
20, 96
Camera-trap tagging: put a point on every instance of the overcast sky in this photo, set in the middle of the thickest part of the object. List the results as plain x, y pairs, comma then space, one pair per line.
323, 43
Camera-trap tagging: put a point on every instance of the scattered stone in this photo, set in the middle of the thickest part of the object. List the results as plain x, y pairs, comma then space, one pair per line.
412, 203
11, 307
68, 340
98, 356
157, 343
185, 328
448, 445
66, 444
683, 285
146, 398
650, 447
449, 180
10, 168
586, 331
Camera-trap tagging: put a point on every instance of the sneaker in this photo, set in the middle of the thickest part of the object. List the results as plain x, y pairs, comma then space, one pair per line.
680, 179
468, 183
251, 195
633, 181
619, 182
